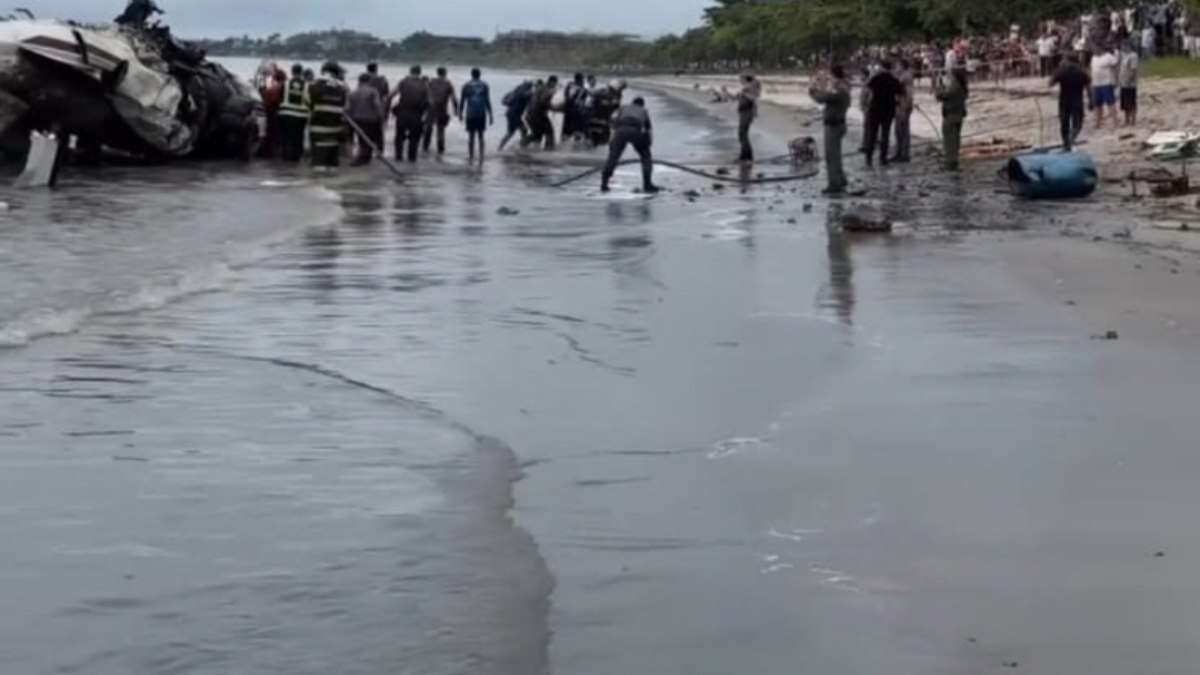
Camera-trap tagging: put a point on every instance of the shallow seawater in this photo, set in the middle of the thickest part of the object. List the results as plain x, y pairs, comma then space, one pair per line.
264, 421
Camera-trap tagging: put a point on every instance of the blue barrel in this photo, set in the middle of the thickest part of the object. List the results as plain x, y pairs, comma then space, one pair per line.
1064, 175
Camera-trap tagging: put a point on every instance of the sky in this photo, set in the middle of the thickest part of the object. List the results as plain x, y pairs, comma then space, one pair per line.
398, 18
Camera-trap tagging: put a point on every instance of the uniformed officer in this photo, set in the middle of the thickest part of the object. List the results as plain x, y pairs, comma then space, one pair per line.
631, 125
293, 115
326, 122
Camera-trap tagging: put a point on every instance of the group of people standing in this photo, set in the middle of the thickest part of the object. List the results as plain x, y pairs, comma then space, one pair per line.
332, 116
325, 111
887, 99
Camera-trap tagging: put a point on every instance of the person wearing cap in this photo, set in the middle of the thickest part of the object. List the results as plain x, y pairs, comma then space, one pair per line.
326, 122
631, 126
293, 116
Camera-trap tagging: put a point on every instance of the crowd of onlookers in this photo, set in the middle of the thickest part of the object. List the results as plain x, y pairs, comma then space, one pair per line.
1151, 28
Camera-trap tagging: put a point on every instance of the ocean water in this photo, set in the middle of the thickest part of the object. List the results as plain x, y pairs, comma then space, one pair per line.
259, 420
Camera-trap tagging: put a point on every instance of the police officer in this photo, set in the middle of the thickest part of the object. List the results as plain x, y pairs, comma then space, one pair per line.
293, 115
631, 125
834, 95
953, 95
326, 123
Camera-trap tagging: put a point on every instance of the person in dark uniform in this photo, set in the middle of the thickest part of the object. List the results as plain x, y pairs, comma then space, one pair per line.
437, 118
886, 92
293, 116
138, 12
541, 129
631, 125
574, 109
605, 102
516, 102
1074, 84
412, 100
379, 81
326, 123
833, 93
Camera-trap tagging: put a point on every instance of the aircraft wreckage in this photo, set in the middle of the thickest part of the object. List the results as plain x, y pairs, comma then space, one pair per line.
128, 88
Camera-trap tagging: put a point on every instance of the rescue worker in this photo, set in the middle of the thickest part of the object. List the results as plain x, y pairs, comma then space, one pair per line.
378, 81
412, 100
367, 111
293, 116
953, 95
138, 12
326, 123
605, 101
541, 129
904, 111
516, 102
574, 106
309, 76
747, 103
272, 93
834, 95
631, 125
437, 118
476, 108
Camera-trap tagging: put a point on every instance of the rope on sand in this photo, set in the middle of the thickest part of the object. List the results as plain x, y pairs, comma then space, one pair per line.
695, 172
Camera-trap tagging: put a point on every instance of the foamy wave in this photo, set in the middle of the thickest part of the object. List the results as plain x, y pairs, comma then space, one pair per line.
49, 322
734, 446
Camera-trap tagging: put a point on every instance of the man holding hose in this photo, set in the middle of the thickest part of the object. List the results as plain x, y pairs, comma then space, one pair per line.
630, 125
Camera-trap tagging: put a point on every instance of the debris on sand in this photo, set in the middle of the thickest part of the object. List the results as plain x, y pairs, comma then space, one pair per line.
791, 221
854, 222
506, 211
718, 186
1109, 335
807, 208
722, 171
1012, 664
692, 194
1160, 554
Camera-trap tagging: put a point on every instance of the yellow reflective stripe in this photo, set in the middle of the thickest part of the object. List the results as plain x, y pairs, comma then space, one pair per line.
334, 109
293, 112
324, 130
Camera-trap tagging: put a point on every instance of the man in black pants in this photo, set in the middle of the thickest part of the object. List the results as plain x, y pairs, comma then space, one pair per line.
1073, 85
412, 100
631, 125
886, 91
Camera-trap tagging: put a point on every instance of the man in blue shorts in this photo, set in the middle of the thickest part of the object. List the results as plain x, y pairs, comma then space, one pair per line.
477, 110
1104, 85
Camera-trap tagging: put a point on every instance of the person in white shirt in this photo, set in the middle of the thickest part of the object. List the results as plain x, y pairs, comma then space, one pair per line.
1127, 82
1149, 38
1104, 85
1045, 48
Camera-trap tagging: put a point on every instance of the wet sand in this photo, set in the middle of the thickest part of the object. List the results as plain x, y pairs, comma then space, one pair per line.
613, 434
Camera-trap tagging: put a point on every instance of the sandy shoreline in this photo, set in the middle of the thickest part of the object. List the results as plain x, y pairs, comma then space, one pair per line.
1021, 111
1113, 261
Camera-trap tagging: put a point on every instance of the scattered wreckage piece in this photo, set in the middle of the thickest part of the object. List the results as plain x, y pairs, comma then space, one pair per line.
132, 89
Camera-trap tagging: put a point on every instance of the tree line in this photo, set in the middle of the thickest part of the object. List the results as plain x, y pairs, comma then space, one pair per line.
732, 34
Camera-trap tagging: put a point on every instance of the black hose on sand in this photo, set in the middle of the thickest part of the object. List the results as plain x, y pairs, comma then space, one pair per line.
695, 172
